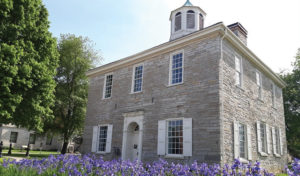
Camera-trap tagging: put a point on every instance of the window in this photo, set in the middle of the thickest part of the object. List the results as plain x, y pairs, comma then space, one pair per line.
176, 69
238, 71
263, 137
32, 138
201, 21
242, 141
177, 21
273, 95
276, 135
102, 136
49, 139
175, 137
108, 86
13, 137
137, 79
190, 21
259, 84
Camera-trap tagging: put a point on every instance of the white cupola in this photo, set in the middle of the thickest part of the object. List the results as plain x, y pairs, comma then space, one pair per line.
186, 19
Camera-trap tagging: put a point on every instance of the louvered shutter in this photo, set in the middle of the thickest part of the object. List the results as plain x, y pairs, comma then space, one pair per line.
249, 142
161, 138
187, 136
94, 138
268, 139
274, 140
237, 64
280, 141
108, 139
190, 20
236, 140
258, 136
178, 22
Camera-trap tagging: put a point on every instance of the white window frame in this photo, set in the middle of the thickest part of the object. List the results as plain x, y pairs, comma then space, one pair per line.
248, 142
107, 139
104, 85
240, 71
273, 95
259, 84
167, 138
133, 78
170, 67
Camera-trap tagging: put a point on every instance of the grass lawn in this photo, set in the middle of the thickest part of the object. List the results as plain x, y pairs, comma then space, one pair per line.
32, 153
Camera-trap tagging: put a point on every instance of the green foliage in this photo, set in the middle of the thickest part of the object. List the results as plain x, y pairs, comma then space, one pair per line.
291, 98
28, 61
76, 58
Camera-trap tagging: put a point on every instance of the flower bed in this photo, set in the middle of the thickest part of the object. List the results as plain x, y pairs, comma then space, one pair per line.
92, 165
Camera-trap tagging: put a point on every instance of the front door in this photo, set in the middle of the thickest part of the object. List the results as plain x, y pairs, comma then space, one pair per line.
132, 142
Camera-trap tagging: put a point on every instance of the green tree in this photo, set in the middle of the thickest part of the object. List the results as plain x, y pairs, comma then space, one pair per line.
28, 62
291, 98
76, 58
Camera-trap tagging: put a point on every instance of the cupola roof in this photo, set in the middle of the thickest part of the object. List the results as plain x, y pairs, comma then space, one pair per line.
188, 3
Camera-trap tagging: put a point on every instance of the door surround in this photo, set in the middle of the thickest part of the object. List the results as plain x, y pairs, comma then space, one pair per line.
133, 117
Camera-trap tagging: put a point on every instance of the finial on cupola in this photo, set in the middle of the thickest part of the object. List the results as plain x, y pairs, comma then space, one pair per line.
188, 3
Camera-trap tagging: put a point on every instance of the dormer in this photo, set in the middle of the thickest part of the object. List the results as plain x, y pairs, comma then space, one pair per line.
186, 19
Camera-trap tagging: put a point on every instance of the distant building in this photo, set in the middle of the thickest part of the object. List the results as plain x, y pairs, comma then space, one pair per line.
18, 137
204, 96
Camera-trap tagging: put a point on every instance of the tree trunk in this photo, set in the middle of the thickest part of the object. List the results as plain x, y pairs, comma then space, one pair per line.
64, 148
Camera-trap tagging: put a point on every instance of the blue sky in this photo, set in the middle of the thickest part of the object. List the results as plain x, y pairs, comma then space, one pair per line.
121, 28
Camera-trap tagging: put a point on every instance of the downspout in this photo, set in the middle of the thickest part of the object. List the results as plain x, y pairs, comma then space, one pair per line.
221, 98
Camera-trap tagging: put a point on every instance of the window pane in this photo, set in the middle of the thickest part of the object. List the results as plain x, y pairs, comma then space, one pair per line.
177, 68
175, 137
32, 138
263, 137
138, 76
13, 137
242, 140
102, 138
108, 86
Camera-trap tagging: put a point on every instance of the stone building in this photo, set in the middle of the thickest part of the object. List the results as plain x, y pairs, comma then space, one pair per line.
203, 95
20, 137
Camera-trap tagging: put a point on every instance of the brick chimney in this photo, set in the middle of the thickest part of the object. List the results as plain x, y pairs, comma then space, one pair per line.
239, 31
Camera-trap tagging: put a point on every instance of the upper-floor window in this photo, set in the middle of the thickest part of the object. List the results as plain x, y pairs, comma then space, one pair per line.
201, 21
177, 21
190, 19
238, 71
137, 80
13, 137
108, 86
176, 68
273, 95
259, 84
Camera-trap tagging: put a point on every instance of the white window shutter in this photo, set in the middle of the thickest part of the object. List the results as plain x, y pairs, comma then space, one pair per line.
258, 136
280, 141
187, 136
249, 142
94, 138
236, 140
237, 64
274, 140
161, 138
108, 139
268, 139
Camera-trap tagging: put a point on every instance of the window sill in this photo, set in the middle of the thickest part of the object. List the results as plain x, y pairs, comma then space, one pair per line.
171, 85
174, 156
277, 155
102, 153
106, 98
139, 92
263, 154
243, 160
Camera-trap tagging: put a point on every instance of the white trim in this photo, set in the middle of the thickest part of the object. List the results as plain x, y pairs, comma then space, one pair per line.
240, 84
104, 85
260, 87
133, 78
170, 67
